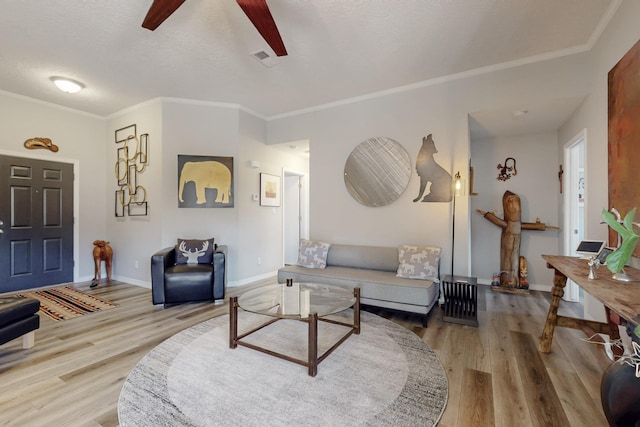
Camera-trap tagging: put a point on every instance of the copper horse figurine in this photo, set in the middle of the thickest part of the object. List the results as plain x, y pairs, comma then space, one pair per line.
101, 252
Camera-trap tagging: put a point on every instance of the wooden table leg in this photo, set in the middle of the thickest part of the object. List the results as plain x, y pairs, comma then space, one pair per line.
559, 282
313, 344
233, 322
613, 320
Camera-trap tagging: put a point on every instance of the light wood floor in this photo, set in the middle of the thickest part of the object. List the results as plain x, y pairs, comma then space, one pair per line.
497, 377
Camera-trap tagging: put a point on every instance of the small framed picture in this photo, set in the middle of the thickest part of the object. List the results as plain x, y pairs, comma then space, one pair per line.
269, 190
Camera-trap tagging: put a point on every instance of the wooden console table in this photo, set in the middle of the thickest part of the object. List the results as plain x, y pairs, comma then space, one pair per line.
623, 298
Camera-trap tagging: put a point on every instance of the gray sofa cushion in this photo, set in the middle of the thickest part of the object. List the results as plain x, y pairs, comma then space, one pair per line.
419, 262
367, 257
374, 284
312, 254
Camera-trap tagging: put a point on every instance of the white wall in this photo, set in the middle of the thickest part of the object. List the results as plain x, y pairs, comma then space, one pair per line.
621, 34
208, 129
260, 227
135, 238
202, 129
537, 185
79, 137
190, 127
407, 116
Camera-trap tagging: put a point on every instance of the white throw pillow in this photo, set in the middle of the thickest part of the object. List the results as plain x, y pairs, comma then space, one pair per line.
418, 262
313, 254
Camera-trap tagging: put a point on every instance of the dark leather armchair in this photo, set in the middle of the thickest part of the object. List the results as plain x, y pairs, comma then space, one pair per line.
171, 283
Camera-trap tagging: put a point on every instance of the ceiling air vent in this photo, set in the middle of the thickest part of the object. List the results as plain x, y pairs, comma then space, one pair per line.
264, 58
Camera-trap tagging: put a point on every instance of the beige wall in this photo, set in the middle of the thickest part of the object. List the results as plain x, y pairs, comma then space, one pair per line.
79, 137
621, 34
406, 115
260, 228
174, 127
410, 113
536, 183
206, 129
135, 238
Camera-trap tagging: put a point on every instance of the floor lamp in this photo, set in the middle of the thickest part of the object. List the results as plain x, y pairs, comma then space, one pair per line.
457, 191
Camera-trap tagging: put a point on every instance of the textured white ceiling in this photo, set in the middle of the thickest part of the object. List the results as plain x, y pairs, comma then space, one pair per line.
540, 116
338, 49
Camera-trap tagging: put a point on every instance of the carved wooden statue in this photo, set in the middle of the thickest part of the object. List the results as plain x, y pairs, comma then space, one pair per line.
101, 252
524, 283
510, 238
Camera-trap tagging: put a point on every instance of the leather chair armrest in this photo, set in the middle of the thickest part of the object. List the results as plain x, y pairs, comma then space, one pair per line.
219, 272
159, 262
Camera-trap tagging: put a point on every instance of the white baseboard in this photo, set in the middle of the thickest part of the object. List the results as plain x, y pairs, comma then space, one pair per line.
248, 280
128, 280
143, 284
533, 287
136, 282
234, 283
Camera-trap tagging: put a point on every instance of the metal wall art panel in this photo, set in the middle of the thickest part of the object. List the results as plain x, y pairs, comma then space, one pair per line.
377, 171
131, 160
433, 177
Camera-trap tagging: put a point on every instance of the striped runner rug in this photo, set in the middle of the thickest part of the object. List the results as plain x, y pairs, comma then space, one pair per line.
66, 302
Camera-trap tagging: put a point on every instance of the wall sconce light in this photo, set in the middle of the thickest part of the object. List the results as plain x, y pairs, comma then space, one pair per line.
254, 164
67, 85
457, 185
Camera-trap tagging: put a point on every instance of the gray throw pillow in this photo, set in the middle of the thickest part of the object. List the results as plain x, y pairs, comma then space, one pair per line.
418, 262
313, 254
194, 251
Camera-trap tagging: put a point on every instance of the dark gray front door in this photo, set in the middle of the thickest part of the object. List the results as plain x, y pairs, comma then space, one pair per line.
36, 211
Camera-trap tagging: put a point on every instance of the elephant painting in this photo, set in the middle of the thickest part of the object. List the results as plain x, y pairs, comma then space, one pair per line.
205, 175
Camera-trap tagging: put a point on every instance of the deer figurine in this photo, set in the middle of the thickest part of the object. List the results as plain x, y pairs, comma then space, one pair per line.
192, 256
101, 252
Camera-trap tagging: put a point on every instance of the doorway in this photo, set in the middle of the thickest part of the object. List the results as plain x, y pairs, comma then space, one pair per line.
293, 217
36, 223
574, 198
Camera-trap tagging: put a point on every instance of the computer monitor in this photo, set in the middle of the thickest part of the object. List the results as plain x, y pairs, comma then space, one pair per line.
590, 248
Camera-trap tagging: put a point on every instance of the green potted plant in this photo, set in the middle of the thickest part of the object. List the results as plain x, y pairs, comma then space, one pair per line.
619, 258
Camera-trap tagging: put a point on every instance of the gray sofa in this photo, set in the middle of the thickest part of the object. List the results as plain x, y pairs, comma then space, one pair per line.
373, 269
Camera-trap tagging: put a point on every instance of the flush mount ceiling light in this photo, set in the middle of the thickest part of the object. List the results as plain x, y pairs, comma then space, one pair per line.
520, 113
67, 85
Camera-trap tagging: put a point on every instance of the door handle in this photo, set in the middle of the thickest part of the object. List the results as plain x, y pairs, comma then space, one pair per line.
1, 224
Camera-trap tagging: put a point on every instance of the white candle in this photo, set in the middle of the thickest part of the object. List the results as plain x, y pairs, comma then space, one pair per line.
305, 303
290, 299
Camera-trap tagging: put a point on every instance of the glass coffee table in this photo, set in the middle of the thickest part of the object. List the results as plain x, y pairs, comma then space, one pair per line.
324, 300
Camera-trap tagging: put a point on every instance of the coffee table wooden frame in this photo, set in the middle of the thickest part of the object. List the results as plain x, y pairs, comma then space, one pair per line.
313, 360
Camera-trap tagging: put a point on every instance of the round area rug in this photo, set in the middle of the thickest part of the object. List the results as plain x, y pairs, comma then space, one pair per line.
386, 376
